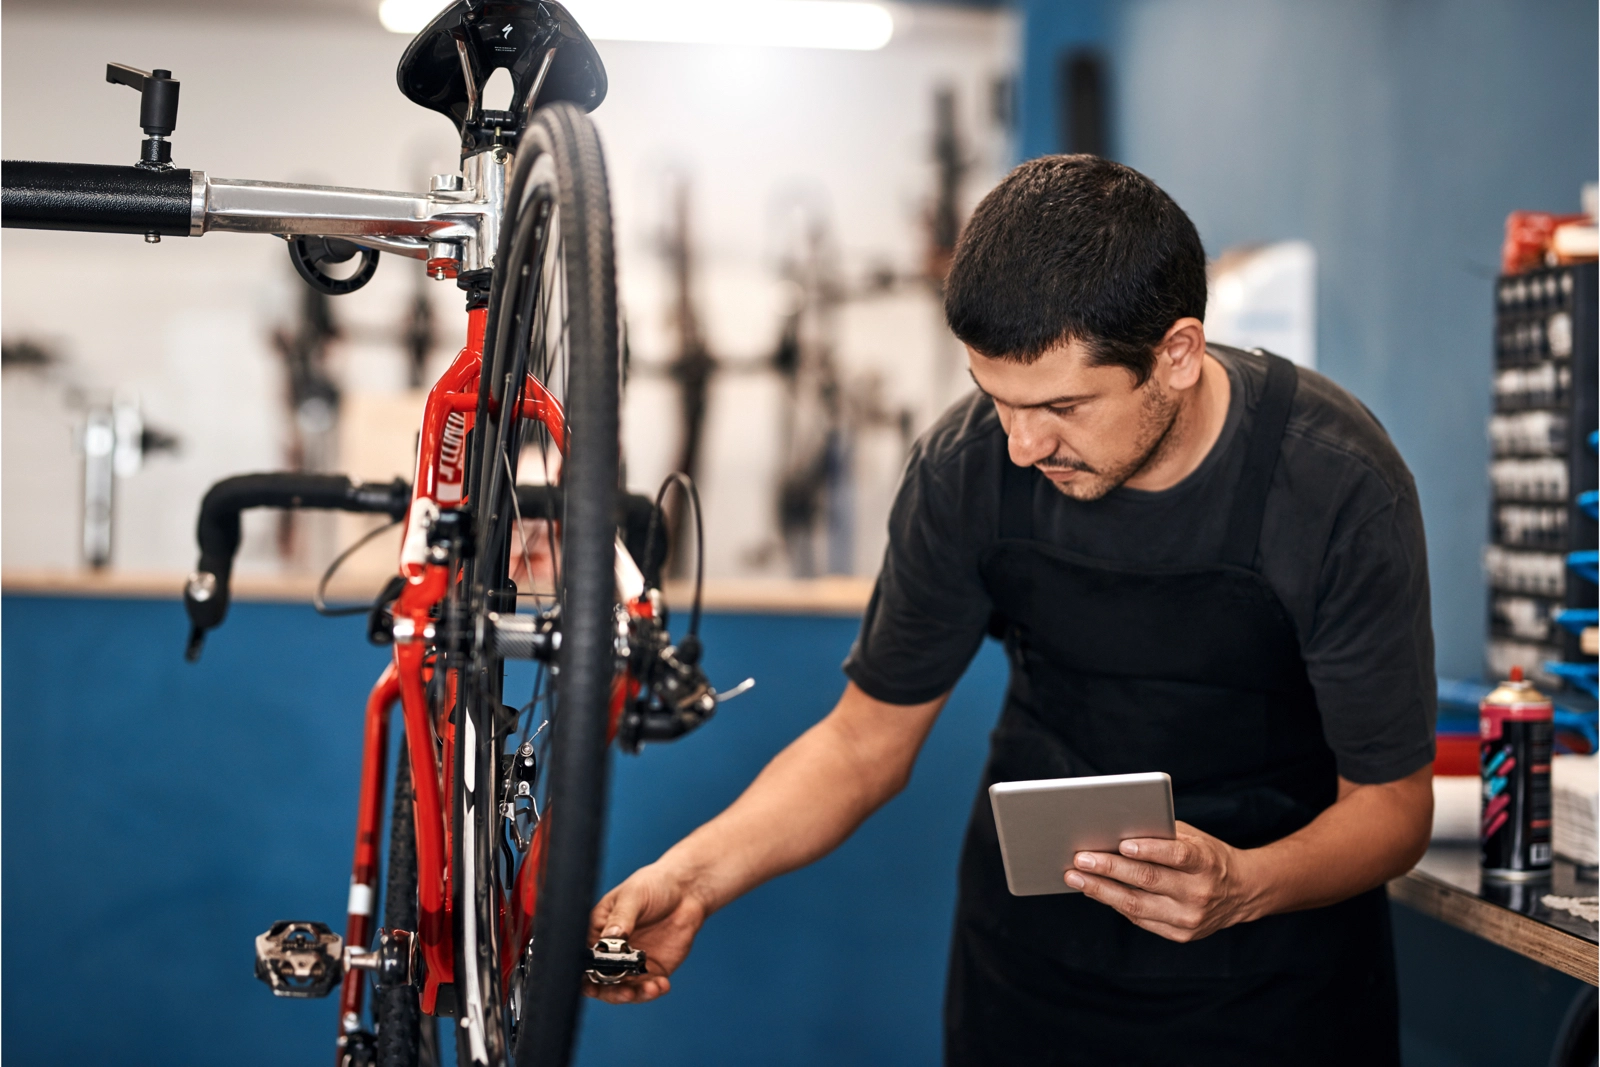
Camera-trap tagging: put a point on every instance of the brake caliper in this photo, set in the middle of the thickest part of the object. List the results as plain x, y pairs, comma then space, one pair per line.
674, 696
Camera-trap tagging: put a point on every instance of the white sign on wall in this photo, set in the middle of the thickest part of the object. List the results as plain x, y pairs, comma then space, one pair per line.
1265, 296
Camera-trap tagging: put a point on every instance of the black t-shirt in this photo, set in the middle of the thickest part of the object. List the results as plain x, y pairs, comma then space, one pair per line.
1341, 545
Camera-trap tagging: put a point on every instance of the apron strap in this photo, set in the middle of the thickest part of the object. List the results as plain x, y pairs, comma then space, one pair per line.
1266, 441
1016, 497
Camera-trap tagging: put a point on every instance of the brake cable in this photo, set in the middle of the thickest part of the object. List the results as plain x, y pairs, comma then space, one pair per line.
685, 483
319, 598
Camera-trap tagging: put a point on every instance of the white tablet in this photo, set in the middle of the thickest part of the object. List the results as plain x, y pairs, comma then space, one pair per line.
1043, 824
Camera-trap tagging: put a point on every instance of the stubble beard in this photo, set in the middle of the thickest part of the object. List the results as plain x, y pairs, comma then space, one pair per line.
1158, 421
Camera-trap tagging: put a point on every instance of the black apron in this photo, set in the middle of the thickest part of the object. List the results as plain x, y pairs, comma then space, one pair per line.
1195, 671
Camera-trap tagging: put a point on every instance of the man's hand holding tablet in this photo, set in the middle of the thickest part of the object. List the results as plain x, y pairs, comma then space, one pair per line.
1114, 838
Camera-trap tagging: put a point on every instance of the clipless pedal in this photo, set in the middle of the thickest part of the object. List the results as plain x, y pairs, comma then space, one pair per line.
612, 959
298, 958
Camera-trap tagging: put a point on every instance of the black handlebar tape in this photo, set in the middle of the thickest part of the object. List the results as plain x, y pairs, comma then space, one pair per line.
633, 521
539, 501
99, 199
218, 528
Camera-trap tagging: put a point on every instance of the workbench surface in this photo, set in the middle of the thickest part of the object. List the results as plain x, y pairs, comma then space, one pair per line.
1448, 885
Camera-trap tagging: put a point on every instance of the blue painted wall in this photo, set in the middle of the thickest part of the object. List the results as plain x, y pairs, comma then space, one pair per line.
1051, 29
158, 815
1394, 137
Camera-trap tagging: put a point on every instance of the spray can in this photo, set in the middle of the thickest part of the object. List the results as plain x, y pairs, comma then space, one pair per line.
1515, 729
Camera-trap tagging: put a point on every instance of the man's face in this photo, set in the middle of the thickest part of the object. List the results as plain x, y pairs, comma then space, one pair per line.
1086, 428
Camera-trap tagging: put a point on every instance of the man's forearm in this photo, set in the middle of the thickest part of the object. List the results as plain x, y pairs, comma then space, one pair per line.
807, 800
1370, 834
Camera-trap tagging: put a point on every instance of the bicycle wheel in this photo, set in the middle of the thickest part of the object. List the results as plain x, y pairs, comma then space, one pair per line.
406, 1037
552, 313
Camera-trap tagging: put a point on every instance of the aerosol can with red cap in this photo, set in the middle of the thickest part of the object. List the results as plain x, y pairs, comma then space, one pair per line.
1516, 724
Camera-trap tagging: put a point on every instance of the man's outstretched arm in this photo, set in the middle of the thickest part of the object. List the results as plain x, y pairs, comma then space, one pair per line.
802, 805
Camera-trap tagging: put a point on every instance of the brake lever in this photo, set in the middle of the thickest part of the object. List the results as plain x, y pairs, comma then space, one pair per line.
737, 691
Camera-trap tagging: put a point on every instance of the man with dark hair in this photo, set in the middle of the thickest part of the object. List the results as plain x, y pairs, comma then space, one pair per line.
1202, 561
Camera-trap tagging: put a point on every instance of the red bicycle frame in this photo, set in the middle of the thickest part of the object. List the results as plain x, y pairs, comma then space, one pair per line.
440, 481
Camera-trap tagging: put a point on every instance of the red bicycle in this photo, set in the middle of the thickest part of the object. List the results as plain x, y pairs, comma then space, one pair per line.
498, 808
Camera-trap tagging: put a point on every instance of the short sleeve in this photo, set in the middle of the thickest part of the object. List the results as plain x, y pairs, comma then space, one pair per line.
929, 609
1369, 654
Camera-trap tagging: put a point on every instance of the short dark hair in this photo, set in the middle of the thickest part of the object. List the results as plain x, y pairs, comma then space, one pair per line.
1075, 248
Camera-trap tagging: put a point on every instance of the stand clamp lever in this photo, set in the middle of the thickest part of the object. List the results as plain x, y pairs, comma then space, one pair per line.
158, 110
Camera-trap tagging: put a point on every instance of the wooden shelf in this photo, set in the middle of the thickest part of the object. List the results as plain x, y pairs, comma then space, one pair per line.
799, 596
841, 596
1448, 886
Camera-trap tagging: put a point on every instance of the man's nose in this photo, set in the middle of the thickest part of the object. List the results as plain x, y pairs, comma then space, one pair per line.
1028, 440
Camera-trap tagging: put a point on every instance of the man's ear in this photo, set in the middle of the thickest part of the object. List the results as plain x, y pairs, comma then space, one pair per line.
1182, 353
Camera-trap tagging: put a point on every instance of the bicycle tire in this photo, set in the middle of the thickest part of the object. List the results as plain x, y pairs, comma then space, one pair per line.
560, 157
405, 1037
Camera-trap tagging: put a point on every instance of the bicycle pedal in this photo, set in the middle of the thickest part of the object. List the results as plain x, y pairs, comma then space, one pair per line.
612, 959
300, 959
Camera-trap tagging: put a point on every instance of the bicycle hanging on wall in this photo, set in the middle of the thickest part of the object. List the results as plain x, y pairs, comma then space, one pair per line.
498, 808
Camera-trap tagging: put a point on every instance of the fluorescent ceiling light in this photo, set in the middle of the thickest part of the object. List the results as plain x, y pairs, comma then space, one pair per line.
775, 23
407, 16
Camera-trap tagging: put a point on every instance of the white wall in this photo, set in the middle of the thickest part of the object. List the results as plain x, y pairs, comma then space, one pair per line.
186, 323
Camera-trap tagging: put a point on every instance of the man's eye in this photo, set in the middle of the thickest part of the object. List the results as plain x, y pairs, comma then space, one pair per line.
1064, 411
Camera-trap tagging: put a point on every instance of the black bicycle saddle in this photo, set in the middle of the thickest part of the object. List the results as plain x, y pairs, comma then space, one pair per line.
514, 34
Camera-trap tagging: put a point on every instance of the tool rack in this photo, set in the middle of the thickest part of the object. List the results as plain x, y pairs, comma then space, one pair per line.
1540, 560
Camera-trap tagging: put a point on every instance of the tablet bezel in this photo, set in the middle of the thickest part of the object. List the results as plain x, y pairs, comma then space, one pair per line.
1043, 823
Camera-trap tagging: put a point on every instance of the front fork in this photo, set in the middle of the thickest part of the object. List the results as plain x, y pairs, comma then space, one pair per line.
369, 829
412, 625
403, 680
